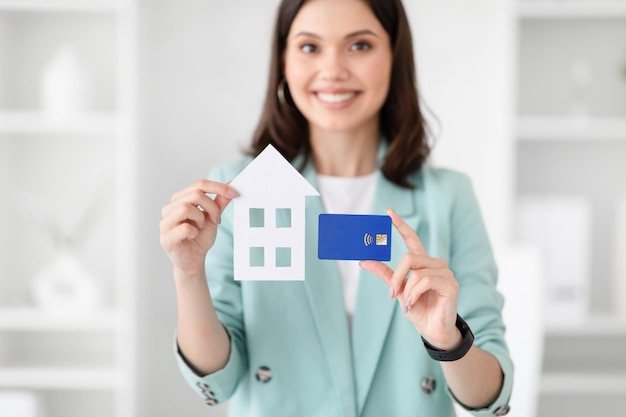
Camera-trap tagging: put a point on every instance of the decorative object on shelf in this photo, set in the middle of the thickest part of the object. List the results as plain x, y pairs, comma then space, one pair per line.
581, 76
21, 404
64, 284
65, 85
561, 227
619, 259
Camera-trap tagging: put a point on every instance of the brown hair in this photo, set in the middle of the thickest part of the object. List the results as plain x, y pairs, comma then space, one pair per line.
402, 123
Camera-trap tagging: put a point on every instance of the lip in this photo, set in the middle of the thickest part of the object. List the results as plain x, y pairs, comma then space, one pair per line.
336, 99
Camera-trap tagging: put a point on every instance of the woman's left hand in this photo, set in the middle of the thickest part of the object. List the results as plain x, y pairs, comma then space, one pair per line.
425, 288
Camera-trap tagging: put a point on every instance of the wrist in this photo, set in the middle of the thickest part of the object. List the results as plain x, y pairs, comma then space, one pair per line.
456, 352
450, 343
189, 275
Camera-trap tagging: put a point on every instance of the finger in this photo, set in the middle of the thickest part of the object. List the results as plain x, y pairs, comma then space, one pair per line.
409, 262
411, 240
379, 269
383, 272
192, 203
190, 215
443, 283
222, 202
175, 236
208, 187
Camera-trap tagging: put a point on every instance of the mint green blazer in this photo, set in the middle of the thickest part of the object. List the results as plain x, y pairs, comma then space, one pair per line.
292, 353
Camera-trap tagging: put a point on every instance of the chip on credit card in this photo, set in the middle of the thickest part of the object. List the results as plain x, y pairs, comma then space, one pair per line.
356, 237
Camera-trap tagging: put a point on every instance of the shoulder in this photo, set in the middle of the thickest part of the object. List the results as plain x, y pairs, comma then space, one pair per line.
229, 170
443, 181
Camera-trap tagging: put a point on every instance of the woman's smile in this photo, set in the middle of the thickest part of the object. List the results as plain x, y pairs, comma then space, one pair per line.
336, 99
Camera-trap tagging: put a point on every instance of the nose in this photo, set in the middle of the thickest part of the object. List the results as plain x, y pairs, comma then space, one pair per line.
333, 66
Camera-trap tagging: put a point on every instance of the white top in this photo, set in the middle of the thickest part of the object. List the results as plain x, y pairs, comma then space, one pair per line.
348, 195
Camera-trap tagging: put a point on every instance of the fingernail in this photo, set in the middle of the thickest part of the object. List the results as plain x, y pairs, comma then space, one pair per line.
232, 192
219, 220
392, 293
408, 304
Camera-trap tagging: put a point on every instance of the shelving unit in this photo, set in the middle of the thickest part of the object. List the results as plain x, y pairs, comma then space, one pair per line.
68, 175
594, 326
563, 9
570, 128
61, 379
586, 384
33, 123
32, 319
571, 142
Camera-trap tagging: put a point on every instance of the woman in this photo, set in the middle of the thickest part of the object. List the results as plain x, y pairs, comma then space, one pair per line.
342, 106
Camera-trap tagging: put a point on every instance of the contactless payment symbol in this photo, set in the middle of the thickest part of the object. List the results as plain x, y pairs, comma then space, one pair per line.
356, 237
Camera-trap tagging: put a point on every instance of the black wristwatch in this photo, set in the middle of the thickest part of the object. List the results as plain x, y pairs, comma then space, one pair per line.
459, 352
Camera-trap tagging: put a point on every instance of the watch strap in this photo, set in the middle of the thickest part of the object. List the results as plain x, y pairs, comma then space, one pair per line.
460, 351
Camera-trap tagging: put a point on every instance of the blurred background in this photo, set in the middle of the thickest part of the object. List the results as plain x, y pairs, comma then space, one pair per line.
107, 107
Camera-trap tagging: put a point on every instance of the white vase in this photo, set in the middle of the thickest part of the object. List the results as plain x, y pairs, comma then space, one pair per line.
65, 86
65, 286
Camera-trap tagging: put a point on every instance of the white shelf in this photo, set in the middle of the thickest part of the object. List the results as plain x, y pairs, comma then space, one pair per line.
62, 5
593, 326
569, 128
60, 379
583, 384
36, 123
541, 9
30, 319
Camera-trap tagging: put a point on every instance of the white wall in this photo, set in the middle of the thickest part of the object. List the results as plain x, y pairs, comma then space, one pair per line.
203, 68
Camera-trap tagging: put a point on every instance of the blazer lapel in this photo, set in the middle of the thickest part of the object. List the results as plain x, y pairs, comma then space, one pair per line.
324, 294
374, 310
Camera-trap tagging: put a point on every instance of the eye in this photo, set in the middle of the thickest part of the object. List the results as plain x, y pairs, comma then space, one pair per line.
308, 48
360, 46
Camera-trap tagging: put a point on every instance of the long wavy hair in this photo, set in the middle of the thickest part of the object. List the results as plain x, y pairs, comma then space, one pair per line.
402, 123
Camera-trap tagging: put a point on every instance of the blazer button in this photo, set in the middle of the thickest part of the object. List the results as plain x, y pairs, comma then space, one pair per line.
502, 411
428, 385
208, 394
263, 374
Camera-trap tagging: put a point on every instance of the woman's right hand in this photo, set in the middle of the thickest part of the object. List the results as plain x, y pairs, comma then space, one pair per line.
189, 223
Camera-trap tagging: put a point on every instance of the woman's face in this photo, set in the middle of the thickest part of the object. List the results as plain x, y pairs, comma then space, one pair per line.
338, 64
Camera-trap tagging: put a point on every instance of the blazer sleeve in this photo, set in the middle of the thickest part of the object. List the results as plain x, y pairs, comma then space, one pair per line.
219, 386
480, 304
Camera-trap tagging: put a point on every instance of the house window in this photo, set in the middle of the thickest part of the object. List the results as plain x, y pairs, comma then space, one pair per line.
283, 257
257, 256
283, 217
257, 217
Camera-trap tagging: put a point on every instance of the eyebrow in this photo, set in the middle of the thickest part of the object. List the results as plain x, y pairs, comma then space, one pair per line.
349, 35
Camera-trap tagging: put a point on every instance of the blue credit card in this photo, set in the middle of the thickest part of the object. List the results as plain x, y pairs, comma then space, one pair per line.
356, 237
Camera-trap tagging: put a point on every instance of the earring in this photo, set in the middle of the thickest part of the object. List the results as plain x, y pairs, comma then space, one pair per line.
281, 92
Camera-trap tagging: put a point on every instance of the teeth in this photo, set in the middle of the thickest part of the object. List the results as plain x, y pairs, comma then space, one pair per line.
335, 98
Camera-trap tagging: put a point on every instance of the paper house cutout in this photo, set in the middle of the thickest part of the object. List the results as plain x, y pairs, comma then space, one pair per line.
269, 220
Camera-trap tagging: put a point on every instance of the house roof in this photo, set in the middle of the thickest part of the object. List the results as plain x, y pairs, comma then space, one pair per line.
271, 175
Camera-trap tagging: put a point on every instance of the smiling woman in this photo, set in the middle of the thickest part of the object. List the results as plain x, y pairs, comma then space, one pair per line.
368, 46
338, 66
343, 106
